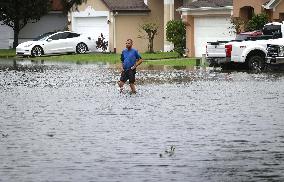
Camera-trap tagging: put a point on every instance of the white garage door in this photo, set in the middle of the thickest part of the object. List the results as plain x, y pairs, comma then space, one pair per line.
4, 36
210, 29
92, 26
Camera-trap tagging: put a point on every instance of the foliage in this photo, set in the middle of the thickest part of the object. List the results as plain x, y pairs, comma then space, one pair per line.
71, 5
176, 33
17, 13
257, 22
237, 24
151, 29
101, 43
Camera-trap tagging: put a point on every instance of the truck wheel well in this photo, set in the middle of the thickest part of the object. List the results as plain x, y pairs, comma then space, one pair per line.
254, 53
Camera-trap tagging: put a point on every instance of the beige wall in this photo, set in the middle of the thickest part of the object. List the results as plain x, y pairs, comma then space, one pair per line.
189, 21
127, 26
256, 4
278, 10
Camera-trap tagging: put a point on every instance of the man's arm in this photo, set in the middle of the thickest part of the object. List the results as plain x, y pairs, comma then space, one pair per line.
122, 60
140, 60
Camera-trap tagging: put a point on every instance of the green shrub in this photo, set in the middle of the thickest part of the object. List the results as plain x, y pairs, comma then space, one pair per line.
257, 22
176, 33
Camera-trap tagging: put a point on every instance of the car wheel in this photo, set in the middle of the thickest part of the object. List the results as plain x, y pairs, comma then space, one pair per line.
36, 51
81, 48
256, 63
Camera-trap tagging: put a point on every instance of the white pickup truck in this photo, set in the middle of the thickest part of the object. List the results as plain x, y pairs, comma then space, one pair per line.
251, 51
216, 51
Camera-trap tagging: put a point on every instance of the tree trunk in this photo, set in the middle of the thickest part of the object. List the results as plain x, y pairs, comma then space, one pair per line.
16, 39
16, 33
151, 41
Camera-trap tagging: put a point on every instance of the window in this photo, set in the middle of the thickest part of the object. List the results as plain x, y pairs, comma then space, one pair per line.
60, 36
271, 29
43, 36
72, 35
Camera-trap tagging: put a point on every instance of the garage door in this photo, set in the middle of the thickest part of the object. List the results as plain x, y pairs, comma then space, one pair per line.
210, 29
92, 26
4, 36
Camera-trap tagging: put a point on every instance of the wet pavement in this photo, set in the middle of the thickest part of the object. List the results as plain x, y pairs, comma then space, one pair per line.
68, 122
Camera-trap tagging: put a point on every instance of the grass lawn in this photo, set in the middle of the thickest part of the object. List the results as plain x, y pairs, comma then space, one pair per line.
92, 57
107, 57
173, 62
6, 53
159, 58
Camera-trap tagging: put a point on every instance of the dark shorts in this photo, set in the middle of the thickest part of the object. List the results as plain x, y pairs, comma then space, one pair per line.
128, 75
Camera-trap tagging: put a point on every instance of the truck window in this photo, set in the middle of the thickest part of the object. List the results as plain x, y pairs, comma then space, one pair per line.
271, 29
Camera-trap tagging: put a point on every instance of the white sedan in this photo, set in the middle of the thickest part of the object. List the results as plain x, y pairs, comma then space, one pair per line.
57, 43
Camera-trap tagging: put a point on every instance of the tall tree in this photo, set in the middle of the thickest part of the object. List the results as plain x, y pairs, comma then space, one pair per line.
71, 5
18, 13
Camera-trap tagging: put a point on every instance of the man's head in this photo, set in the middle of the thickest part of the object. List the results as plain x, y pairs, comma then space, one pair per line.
129, 43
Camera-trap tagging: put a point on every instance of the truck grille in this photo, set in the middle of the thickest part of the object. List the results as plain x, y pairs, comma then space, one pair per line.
272, 50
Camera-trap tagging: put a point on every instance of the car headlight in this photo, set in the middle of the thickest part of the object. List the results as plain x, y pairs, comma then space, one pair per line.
28, 45
281, 51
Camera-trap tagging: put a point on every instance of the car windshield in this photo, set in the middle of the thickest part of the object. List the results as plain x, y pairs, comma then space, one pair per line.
43, 36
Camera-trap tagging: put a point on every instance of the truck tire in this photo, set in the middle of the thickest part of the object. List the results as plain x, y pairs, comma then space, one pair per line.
256, 62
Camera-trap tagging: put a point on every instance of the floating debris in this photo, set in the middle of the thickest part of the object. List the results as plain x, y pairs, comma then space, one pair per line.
50, 134
5, 135
169, 152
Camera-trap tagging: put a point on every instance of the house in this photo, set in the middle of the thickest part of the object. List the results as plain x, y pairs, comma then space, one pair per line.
119, 20
206, 21
245, 9
53, 21
209, 20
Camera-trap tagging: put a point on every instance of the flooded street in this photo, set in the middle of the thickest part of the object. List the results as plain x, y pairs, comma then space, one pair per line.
68, 122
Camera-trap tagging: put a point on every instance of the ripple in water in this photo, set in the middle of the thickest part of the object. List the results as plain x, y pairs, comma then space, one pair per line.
68, 122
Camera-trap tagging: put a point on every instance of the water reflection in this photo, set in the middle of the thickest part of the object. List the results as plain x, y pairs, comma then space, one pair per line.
26, 65
68, 122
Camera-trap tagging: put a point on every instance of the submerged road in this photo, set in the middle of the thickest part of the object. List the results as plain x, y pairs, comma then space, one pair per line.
68, 122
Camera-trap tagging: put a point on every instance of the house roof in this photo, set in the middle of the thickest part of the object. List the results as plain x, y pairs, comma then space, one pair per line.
208, 4
127, 5
271, 4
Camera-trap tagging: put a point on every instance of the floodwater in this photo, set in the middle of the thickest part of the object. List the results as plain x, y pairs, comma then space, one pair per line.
68, 122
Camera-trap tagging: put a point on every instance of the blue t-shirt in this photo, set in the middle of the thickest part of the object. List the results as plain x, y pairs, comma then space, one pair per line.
129, 58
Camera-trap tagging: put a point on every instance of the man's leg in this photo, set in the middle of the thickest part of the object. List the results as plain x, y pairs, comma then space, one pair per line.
120, 84
133, 89
132, 81
122, 80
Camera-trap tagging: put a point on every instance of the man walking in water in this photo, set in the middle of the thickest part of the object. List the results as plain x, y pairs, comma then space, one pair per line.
130, 59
